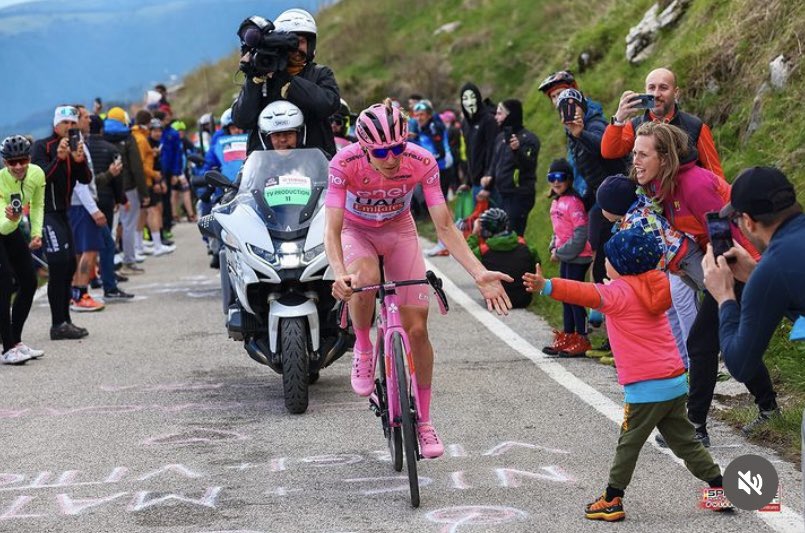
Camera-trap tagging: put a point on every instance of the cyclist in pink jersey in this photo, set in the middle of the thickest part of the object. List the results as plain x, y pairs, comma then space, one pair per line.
368, 214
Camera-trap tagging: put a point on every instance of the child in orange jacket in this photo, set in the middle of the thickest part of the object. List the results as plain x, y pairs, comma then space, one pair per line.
646, 359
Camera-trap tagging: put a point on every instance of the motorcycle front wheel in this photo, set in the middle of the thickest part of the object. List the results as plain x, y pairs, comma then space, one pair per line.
293, 346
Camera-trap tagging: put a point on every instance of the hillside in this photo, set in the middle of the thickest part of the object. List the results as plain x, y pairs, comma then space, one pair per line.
720, 50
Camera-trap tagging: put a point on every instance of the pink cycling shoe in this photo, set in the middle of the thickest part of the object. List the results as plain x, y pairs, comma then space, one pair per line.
430, 445
363, 373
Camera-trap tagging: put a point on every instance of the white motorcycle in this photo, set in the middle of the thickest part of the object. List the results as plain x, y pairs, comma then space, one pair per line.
275, 277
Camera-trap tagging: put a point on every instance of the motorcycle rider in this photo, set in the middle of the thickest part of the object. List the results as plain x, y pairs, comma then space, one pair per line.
282, 126
309, 86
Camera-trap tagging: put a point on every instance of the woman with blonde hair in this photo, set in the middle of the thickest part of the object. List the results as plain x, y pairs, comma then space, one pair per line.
664, 164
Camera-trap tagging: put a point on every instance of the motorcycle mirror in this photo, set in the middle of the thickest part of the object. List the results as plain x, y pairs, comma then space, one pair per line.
216, 179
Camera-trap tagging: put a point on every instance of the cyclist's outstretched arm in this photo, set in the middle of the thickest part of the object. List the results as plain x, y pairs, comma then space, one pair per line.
333, 223
488, 282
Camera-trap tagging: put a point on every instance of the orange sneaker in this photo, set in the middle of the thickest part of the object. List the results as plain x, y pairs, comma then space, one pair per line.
601, 509
87, 304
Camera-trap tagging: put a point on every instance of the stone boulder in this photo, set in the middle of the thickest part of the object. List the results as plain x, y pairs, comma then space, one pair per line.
641, 38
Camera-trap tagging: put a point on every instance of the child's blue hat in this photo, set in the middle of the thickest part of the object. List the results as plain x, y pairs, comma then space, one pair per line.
633, 251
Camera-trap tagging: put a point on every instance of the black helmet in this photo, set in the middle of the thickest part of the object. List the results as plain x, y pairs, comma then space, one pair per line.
15, 146
562, 78
493, 221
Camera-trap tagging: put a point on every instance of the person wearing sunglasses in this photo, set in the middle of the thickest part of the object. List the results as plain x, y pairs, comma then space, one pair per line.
368, 213
21, 184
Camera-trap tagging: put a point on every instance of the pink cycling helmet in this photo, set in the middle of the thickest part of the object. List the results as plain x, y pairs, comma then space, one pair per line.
381, 126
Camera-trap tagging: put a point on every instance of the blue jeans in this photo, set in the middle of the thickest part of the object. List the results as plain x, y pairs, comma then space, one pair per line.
575, 316
107, 255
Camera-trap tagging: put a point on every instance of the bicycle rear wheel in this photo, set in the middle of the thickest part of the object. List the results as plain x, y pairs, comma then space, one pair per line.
406, 418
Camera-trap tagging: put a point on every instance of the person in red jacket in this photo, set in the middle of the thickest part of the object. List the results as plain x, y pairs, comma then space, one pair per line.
647, 360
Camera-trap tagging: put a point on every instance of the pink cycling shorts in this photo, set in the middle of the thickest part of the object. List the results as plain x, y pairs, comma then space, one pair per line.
397, 241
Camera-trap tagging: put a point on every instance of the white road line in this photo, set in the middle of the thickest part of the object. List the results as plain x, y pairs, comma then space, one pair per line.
787, 520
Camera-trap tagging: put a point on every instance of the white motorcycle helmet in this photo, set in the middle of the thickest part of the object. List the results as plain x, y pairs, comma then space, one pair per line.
299, 21
226, 118
279, 116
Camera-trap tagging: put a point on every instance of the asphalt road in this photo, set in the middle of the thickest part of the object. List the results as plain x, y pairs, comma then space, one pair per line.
158, 422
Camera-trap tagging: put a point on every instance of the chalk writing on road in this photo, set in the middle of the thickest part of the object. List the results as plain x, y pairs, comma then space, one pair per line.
454, 518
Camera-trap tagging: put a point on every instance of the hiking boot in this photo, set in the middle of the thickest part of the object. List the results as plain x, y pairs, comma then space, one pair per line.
116, 295
67, 331
605, 350
560, 342
86, 304
14, 357
430, 445
576, 347
33, 353
363, 373
760, 422
601, 509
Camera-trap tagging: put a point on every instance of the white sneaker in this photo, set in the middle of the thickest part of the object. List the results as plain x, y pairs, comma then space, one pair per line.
145, 251
13, 357
164, 249
139, 258
33, 353
118, 258
439, 249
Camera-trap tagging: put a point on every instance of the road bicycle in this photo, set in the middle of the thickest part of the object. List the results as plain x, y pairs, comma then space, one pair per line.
396, 396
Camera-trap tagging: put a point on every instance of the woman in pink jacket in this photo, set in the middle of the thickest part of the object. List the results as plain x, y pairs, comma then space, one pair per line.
570, 248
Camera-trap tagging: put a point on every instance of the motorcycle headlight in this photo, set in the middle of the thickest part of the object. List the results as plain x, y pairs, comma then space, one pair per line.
265, 255
313, 253
290, 254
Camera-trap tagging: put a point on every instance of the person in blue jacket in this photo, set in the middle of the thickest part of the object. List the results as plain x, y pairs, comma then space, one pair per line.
764, 204
432, 136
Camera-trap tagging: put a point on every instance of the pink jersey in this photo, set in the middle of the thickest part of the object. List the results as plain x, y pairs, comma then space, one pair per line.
371, 199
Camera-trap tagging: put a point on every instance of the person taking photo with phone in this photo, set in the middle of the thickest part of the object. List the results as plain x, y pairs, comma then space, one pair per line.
21, 184
513, 169
61, 156
661, 84
665, 166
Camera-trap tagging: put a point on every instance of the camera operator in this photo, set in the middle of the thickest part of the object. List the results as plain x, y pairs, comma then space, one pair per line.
278, 63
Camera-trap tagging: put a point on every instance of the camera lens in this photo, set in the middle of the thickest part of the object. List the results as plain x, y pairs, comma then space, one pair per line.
252, 37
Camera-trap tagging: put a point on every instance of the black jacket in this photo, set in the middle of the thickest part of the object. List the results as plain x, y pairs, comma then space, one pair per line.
314, 91
60, 175
480, 131
110, 188
586, 155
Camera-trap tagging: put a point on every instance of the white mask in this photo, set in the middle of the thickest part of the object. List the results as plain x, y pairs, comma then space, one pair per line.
470, 102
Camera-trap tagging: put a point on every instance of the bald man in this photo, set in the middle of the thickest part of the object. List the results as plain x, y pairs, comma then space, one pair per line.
619, 136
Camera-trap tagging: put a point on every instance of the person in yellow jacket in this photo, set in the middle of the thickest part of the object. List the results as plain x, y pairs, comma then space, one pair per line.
154, 180
21, 184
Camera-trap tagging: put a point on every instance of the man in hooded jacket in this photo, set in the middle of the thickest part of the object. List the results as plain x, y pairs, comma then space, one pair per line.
513, 169
480, 130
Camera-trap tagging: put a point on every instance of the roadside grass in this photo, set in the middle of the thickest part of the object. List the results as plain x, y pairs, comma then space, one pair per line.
720, 50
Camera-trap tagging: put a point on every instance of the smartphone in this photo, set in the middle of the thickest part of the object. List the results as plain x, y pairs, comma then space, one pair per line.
117, 159
16, 203
74, 136
720, 233
567, 108
646, 101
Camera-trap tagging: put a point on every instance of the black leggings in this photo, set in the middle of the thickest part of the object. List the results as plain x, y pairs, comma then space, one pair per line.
703, 350
60, 250
574, 316
15, 264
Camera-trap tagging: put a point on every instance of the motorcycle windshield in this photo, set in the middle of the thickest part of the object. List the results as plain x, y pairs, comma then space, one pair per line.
286, 187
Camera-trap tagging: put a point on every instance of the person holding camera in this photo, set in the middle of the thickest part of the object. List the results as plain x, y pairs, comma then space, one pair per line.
21, 183
513, 169
61, 156
658, 104
278, 63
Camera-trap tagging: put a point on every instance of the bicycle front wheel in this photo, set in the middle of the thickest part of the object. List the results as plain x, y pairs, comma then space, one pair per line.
406, 418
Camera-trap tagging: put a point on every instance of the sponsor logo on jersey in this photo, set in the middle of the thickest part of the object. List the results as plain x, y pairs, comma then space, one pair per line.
394, 192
